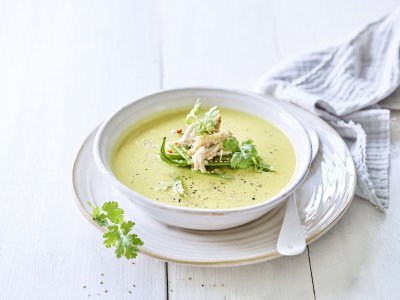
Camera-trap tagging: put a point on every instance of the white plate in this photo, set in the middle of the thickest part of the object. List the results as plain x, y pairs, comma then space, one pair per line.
322, 200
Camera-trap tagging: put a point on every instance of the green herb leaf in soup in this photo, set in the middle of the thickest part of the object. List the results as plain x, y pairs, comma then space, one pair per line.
231, 144
192, 115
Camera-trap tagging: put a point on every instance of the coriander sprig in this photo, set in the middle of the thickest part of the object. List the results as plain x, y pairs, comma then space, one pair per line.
119, 235
246, 155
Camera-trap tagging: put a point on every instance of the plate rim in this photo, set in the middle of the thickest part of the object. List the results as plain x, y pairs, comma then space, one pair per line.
222, 263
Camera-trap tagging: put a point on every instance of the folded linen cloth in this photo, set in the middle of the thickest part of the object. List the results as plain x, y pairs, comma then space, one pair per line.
342, 85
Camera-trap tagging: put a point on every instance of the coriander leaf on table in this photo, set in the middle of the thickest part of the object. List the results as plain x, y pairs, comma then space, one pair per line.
128, 245
114, 213
111, 236
98, 216
119, 235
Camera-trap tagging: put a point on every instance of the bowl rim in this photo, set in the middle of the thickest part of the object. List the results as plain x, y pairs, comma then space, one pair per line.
137, 197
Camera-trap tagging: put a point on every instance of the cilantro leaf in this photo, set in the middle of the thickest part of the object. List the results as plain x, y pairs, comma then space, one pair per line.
118, 233
126, 227
114, 213
231, 144
111, 236
98, 216
247, 156
240, 160
210, 121
128, 246
249, 148
244, 158
192, 115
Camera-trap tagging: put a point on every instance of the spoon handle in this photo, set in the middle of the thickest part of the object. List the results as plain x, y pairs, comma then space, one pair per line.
291, 240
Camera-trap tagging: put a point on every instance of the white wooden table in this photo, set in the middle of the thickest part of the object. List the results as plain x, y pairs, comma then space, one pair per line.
65, 65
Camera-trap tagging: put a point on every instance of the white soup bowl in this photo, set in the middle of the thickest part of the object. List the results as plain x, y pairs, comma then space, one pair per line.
196, 218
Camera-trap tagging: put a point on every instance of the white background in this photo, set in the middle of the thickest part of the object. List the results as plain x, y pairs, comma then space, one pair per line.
66, 65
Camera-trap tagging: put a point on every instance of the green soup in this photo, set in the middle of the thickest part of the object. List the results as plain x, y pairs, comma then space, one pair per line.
136, 163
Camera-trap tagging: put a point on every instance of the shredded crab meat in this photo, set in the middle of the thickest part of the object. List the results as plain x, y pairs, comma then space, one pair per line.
206, 147
217, 123
188, 135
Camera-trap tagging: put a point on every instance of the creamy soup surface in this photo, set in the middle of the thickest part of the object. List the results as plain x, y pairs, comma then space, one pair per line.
136, 163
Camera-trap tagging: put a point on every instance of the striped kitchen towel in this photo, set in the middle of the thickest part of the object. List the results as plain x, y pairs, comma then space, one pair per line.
344, 85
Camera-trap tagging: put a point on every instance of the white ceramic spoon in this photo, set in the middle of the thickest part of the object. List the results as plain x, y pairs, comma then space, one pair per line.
291, 240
